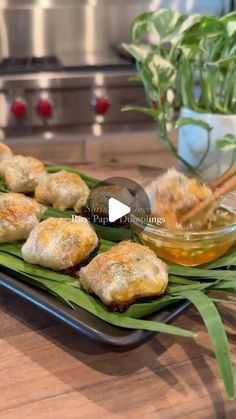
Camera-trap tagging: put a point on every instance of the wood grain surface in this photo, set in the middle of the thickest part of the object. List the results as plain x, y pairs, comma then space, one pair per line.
49, 371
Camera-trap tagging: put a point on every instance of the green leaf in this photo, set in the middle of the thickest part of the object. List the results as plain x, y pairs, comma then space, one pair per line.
228, 16
199, 27
224, 285
183, 121
146, 77
203, 272
177, 289
173, 279
121, 319
164, 22
222, 301
3, 187
229, 22
112, 233
140, 26
148, 111
63, 287
217, 334
56, 213
190, 51
142, 309
16, 264
161, 70
12, 248
139, 52
219, 64
190, 22
226, 143
231, 27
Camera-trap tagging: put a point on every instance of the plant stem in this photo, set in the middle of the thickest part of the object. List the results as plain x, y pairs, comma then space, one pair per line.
232, 161
172, 149
187, 85
230, 89
206, 151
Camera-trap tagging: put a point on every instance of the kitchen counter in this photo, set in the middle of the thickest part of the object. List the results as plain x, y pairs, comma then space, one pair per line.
49, 371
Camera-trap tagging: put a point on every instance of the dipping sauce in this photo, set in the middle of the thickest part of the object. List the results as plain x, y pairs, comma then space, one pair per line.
193, 248
199, 223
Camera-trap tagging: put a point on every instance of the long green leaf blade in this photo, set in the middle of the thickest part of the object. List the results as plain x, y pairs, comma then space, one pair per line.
217, 334
58, 285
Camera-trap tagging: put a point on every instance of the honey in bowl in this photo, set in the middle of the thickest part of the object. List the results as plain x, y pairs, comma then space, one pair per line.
193, 248
205, 237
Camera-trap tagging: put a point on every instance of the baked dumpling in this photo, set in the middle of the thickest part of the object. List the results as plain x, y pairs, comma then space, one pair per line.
173, 194
5, 152
127, 272
19, 214
59, 243
63, 190
5, 155
22, 174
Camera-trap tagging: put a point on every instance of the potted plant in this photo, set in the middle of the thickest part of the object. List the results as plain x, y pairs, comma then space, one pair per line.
189, 62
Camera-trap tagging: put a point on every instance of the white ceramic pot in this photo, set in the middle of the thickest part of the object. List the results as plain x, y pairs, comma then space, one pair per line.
193, 142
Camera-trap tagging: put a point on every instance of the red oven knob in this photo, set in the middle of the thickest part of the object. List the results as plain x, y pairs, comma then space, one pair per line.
18, 108
44, 108
101, 105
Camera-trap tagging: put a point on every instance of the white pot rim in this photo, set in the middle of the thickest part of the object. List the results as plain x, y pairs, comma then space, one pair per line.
210, 115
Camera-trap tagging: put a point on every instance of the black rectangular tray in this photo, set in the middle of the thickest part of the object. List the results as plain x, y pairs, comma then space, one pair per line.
112, 337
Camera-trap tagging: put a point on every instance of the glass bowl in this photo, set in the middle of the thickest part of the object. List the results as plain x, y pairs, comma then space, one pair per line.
191, 248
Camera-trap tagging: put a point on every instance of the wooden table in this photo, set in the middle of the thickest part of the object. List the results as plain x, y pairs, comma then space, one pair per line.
48, 371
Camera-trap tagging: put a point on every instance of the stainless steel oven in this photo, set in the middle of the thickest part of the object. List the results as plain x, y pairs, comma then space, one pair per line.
62, 71
80, 32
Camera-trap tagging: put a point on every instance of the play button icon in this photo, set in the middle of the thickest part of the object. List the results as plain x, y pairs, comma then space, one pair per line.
117, 210
118, 203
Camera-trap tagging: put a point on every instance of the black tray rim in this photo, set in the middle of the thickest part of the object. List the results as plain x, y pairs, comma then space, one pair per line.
111, 337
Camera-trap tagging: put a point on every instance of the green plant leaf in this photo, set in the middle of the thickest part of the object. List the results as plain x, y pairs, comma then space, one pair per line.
140, 26
17, 264
224, 285
12, 248
226, 143
161, 70
56, 213
217, 334
173, 279
150, 89
148, 111
228, 16
190, 22
199, 27
222, 63
66, 288
138, 52
229, 22
142, 309
188, 271
183, 121
112, 233
164, 22
231, 27
222, 301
